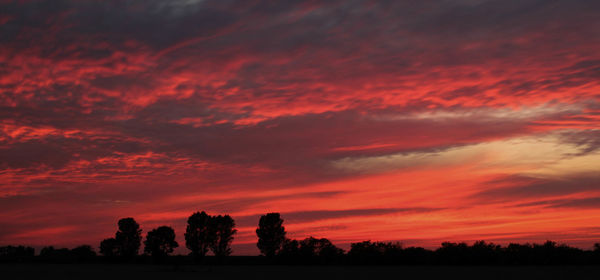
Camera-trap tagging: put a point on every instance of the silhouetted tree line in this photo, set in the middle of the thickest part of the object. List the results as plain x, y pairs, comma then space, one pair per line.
214, 234
479, 253
16, 253
83, 253
203, 233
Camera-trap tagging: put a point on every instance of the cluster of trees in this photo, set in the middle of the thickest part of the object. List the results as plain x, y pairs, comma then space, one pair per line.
21, 253
79, 254
272, 242
479, 253
126, 242
18, 253
205, 233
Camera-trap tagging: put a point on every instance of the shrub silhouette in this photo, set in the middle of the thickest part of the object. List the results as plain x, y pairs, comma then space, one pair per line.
128, 237
160, 242
271, 234
109, 247
222, 228
199, 234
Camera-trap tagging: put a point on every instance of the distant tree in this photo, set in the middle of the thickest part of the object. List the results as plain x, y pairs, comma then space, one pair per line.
53, 254
518, 253
199, 234
365, 248
46, 251
376, 252
290, 249
482, 252
83, 253
453, 253
271, 234
223, 228
129, 237
160, 242
322, 248
17, 253
416, 255
109, 247
365, 252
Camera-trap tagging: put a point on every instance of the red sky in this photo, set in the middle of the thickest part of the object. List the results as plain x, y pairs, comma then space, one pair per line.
410, 121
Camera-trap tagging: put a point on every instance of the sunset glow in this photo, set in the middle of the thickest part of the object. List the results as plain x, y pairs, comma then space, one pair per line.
411, 121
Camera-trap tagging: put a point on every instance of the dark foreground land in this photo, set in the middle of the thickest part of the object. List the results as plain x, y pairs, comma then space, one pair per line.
171, 272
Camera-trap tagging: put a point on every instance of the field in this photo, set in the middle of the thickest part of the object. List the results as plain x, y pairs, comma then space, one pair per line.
147, 272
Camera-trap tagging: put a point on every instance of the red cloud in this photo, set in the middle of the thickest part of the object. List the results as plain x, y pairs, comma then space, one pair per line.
154, 111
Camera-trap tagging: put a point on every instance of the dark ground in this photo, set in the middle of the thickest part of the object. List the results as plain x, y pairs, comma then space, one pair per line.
170, 272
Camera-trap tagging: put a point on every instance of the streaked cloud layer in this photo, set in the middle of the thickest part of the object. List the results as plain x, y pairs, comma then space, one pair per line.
417, 121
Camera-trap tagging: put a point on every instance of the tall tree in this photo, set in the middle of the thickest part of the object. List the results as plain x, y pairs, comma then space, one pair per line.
199, 234
224, 229
160, 242
271, 234
129, 237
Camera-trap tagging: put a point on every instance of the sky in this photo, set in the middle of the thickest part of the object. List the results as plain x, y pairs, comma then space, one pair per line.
411, 121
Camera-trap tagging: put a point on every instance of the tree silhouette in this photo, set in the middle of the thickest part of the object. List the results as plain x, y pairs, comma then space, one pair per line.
453, 253
482, 252
53, 254
18, 253
223, 230
271, 234
368, 252
322, 248
160, 242
199, 234
83, 253
128, 237
109, 247
290, 249
47, 251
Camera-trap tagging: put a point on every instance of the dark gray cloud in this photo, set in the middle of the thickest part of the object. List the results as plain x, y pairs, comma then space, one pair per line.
590, 202
521, 187
588, 141
268, 93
